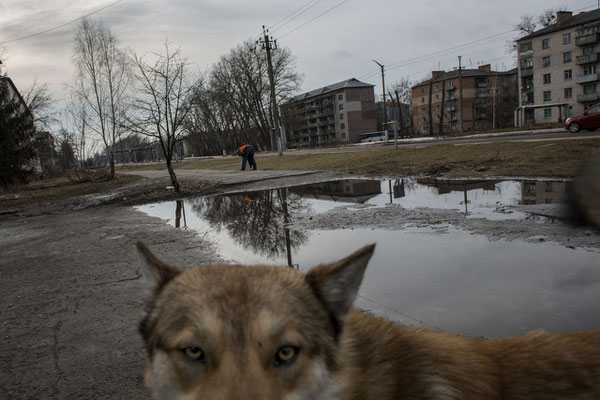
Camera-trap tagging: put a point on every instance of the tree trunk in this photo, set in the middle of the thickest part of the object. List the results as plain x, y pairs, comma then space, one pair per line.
172, 175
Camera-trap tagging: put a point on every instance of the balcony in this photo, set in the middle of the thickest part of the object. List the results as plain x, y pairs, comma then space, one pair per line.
590, 58
450, 88
527, 87
452, 119
588, 39
482, 84
587, 98
586, 78
526, 71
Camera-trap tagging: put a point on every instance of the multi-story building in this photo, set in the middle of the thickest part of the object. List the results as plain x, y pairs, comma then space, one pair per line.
338, 113
558, 68
488, 101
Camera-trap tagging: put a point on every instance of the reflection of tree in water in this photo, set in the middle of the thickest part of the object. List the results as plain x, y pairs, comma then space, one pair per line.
256, 221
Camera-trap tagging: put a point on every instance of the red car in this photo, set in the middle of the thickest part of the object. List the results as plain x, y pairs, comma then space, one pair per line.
589, 119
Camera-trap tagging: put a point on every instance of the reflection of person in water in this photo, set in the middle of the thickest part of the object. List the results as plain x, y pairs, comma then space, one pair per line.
247, 153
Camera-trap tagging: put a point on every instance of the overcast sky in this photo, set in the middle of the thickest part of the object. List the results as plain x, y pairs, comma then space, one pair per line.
332, 40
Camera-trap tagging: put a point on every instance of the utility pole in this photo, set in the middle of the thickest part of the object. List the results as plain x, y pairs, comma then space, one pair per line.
460, 93
267, 44
384, 103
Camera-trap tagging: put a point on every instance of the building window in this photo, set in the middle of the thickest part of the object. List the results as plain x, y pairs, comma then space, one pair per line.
549, 187
527, 46
567, 38
546, 61
567, 56
437, 96
546, 44
422, 90
422, 99
424, 119
568, 74
343, 135
547, 113
547, 78
423, 110
340, 96
342, 126
435, 87
423, 128
341, 116
548, 95
589, 51
341, 106
589, 69
568, 93
589, 89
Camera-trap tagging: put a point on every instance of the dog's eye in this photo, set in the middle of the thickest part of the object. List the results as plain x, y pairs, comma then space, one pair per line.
194, 353
286, 355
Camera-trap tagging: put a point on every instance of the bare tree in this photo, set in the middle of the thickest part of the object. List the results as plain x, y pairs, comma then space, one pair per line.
527, 24
163, 100
40, 102
104, 76
241, 79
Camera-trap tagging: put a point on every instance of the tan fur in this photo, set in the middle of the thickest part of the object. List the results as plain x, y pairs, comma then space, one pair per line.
242, 316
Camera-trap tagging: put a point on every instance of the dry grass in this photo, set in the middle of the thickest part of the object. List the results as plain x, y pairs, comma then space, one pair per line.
56, 189
560, 158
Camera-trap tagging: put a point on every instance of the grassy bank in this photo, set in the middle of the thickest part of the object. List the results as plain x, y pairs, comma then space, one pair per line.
560, 158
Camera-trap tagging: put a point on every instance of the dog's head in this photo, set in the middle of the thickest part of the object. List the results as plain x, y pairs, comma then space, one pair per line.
233, 332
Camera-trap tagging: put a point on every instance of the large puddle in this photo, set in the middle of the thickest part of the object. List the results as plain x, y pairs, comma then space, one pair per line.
452, 281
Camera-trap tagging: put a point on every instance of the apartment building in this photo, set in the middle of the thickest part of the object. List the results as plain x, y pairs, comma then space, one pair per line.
337, 113
557, 68
489, 99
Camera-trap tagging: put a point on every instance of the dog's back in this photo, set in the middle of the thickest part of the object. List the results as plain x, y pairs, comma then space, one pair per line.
232, 332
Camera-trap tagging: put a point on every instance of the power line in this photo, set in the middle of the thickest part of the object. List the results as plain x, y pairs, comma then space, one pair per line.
315, 2
318, 16
61, 25
411, 60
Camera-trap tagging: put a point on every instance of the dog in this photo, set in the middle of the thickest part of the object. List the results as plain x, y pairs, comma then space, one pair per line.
232, 332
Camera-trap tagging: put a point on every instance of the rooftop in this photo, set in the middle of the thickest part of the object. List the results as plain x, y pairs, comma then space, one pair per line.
583, 18
443, 75
349, 83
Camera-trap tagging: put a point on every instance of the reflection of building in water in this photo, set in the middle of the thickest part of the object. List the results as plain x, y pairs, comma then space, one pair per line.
446, 185
349, 190
545, 192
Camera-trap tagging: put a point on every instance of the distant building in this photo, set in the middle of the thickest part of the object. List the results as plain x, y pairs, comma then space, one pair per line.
489, 99
337, 113
558, 68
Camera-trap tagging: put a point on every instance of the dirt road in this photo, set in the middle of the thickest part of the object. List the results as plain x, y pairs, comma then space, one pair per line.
71, 292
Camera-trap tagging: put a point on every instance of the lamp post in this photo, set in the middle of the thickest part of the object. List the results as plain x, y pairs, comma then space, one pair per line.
383, 91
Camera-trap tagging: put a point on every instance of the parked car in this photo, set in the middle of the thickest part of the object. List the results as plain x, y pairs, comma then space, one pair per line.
589, 119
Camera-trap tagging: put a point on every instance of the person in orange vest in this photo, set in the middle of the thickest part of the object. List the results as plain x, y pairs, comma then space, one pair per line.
247, 153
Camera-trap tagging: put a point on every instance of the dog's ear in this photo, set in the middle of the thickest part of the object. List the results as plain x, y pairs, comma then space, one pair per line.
336, 285
158, 272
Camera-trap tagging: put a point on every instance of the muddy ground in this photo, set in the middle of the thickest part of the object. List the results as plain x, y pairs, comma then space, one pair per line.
71, 288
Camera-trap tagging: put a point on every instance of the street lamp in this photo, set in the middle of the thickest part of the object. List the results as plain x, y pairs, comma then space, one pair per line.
384, 102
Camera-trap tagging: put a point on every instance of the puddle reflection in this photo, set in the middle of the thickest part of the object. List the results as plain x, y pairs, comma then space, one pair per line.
455, 282
257, 221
